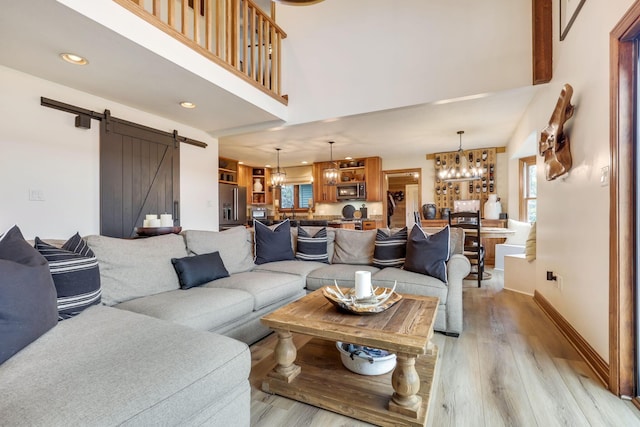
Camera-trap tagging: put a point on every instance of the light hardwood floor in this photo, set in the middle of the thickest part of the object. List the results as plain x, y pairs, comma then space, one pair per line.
510, 367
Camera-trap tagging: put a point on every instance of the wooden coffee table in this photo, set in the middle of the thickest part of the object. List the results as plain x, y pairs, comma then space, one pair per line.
315, 374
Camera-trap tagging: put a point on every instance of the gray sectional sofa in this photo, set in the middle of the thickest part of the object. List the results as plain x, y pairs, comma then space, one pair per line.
155, 354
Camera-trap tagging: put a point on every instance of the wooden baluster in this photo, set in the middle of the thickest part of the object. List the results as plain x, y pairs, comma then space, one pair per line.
156, 8
274, 54
278, 88
260, 49
183, 20
245, 35
171, 12
207, 20
196, 21
253, 43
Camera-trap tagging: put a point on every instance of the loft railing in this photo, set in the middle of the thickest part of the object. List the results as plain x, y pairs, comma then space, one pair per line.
236, 34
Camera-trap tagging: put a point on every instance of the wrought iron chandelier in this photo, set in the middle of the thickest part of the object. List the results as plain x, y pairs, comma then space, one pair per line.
278, 177
331, 173
460, 171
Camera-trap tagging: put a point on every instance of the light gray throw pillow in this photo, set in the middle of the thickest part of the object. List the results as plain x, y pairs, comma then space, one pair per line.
234, 245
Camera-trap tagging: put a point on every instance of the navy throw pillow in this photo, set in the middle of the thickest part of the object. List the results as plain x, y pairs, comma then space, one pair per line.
75, 273
199, 269
312, 248
27, 295
428, 253
273, 245
390, 250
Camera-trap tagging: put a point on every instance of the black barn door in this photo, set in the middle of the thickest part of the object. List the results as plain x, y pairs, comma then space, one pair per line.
139, 175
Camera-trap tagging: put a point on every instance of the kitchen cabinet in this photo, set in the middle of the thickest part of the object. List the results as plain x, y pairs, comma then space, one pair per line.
322, 192
367, 170
244, 180
260, 186
228, 170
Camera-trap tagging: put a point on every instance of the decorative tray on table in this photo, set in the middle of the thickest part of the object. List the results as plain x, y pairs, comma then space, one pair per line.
156, 231
345, 299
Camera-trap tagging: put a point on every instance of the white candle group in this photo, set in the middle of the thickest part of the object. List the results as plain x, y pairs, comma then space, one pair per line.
363, 284
152, 220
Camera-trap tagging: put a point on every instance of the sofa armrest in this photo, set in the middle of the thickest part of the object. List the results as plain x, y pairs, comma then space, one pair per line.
458, 267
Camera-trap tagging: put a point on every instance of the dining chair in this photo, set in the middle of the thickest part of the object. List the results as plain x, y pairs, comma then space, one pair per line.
473, 249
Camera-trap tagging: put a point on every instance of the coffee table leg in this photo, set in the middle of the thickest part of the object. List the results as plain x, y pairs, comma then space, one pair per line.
285, 354
406, 383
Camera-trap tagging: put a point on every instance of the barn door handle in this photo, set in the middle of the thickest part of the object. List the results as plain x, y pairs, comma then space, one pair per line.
176, 210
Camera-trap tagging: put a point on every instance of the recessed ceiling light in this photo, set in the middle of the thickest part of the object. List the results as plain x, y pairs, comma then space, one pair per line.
187, 104
348, 158
241, 163
267, 166
72, 58
304, 162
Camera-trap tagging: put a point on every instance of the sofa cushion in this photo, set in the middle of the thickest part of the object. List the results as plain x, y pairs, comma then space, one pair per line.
199, 308
343, 274
75, 273
199, 269
521, 232
235, 246
456, 238
265, 286
530, 246
134, 268
390, 248
301, 268
354, 246
108, 367
428, 254
312, 247
273, 244
411, 283
27, 295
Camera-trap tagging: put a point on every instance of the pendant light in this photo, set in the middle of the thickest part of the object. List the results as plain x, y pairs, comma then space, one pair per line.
331, 173
460, 170
279, 176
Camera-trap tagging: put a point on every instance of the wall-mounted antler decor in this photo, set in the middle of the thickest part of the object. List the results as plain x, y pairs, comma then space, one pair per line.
554, 143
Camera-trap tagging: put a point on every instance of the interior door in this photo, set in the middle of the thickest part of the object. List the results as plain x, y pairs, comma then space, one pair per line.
139, 175
412, 204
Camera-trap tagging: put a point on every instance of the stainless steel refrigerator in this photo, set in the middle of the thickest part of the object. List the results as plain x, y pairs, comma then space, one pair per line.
232, 205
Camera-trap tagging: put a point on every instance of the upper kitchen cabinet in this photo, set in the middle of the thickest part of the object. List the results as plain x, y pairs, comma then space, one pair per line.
367, 170
228, 170
322, 191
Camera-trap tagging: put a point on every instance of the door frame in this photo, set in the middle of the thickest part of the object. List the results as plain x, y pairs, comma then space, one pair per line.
385, 187
622, 213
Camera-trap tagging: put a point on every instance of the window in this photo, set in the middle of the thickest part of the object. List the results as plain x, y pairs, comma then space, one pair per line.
296, 196
528, 189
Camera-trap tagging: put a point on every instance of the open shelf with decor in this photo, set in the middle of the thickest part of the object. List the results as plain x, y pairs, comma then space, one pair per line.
228, 170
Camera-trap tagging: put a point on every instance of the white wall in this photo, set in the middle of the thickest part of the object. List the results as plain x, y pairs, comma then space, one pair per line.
41, 149
344, 57
573, 212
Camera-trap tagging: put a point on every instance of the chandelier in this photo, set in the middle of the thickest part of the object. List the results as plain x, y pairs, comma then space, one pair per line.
278, 176
460, 171
331, 173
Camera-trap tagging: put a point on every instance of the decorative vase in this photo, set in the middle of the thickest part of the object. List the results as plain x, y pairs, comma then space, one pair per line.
257, 185
429, 211
492, 207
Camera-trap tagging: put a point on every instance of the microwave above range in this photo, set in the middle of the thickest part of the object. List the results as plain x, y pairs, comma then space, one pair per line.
351, 191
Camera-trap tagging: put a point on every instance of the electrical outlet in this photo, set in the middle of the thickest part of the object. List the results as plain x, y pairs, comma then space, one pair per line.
36, 195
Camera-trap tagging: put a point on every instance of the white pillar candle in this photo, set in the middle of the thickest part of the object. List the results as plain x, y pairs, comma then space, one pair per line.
363, 284
152, 216
146, 223
154, 222
166, 220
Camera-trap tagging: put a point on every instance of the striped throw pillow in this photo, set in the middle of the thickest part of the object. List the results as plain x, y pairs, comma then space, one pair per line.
75, 273
390, 249
312, 248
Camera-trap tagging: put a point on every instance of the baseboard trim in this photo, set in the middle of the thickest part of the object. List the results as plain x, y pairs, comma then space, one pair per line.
590, 356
